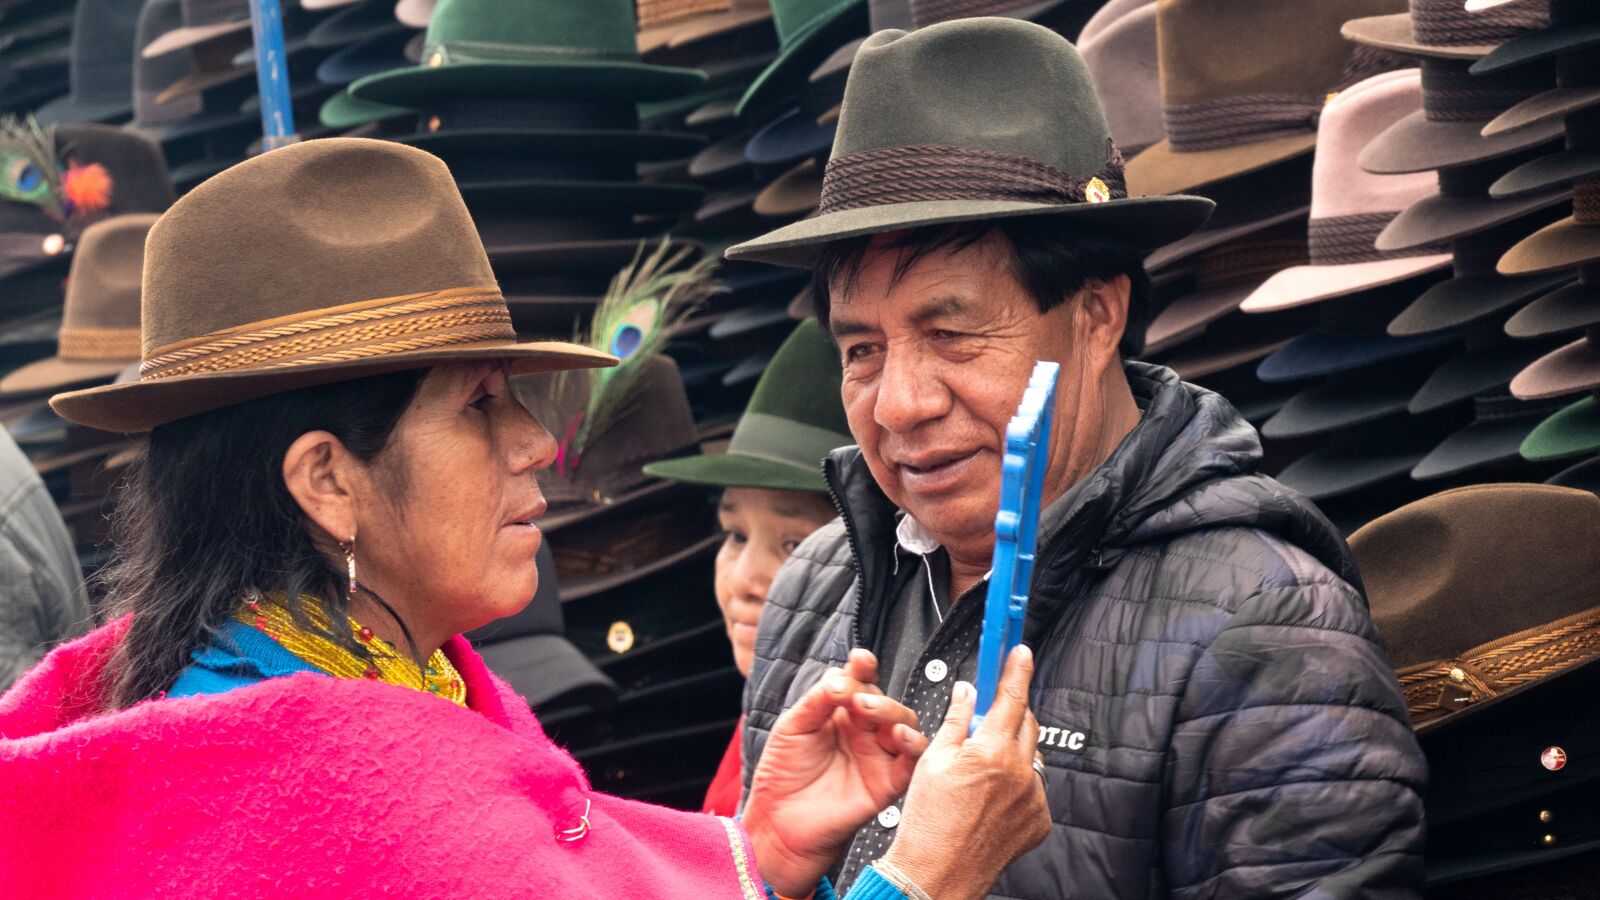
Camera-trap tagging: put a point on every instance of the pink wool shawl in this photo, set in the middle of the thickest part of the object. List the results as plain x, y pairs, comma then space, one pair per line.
309, 786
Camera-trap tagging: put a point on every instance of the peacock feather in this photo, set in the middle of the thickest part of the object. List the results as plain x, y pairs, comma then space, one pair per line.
642, 308
30, 171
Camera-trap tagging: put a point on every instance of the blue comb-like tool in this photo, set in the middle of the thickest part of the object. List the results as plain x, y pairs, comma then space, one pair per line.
1016, 530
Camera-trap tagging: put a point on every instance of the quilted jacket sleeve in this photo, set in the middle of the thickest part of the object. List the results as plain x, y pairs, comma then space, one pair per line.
1294, 771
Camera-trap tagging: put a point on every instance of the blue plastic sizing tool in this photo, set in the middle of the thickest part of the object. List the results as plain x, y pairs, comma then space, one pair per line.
272, 74
1016, 530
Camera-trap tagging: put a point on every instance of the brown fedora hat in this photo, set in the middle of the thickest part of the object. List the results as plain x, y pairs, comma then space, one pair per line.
1571, 242
320, 262
1445, 29
1242, 85
100, 320
1473, 611
1350, 207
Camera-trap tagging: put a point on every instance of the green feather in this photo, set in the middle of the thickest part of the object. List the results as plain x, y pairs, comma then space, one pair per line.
30, 172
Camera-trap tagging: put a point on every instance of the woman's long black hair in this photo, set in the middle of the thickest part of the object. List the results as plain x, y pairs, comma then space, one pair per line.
205, 519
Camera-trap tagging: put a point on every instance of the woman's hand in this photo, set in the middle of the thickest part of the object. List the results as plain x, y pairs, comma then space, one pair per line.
975, 803
834, 759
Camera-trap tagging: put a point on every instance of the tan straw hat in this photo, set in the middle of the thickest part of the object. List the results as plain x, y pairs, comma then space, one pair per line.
320, 262
100, 321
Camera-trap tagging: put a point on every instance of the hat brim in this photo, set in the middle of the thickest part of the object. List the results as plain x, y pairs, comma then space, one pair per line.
55, 373
1534, 46
1198, 362
1562, 245
143, 405
354, 26
1477, 445
1393, 33
587, 143
794, 193
1584, 476
1159, 169
1441, 217
198, 82
543, 667
1147, 222
343, 111
1419, 144
718, 159
190, 36
1336, 471
1460, 301
735, 470
1471, 374
1319, 353
1215, 233
1567, 308
72, 110
1558, 170
838, 62
793, 136
1336, 405
574, 80
1301, 285
1544, 107
1570, 432
1568, 370
1186, 317
796, 60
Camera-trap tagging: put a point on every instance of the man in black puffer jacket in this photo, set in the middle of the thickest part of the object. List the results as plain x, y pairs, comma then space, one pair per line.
1217, 715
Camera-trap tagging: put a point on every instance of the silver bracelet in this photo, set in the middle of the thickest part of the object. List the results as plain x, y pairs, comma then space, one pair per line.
899, 880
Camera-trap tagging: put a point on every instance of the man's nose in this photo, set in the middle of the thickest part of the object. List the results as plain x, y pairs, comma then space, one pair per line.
910, 391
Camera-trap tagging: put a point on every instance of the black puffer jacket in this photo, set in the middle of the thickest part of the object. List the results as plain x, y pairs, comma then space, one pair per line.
1219, 716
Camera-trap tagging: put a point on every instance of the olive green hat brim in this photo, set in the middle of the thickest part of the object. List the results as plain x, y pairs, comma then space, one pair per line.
795, 62
1147, 222
1571, 432
344, 111
735, 470
576, 80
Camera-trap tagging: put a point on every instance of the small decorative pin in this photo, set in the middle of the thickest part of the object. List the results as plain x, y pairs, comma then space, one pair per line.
1553, 759
1096, 191
620, 637
436, 59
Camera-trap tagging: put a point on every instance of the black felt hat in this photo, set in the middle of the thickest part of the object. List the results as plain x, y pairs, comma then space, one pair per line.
1568, 308
101, 64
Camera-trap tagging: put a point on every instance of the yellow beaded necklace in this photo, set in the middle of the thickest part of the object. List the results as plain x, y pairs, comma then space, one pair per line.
268, 614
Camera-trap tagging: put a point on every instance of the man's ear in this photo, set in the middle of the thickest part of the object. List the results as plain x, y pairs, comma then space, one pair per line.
318, 472
1105, 310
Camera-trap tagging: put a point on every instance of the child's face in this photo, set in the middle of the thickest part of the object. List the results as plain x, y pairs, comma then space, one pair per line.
763, 527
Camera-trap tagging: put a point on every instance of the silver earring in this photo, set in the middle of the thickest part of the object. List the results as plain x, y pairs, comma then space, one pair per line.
350, 566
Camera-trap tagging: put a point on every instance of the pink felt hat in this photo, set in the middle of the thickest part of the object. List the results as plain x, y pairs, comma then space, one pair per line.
1349, 206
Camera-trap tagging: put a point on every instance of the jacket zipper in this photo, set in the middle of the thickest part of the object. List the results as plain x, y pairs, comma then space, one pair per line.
855, 548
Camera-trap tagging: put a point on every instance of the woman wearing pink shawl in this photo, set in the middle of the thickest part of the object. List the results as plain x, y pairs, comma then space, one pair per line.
337, 483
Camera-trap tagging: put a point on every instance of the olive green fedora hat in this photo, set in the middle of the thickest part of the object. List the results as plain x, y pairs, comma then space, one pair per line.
808, 31
794, 419
320, 262
972, 119
530, 48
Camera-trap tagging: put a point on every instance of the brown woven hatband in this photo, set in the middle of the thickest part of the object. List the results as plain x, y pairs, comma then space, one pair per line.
912, 174
98, 343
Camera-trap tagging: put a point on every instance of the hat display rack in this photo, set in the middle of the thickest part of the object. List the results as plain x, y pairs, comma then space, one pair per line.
1399, 287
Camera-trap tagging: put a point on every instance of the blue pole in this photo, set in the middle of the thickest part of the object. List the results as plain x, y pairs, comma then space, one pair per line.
272, 74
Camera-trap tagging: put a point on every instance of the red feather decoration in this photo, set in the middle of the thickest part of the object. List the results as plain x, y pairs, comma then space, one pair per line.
87, 189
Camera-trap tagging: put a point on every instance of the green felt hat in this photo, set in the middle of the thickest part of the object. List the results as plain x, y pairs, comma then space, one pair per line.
808, 32
1570, 432
975, 119
795, 418
531, 48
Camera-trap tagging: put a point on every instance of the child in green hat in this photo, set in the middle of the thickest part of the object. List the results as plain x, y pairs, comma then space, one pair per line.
773, 496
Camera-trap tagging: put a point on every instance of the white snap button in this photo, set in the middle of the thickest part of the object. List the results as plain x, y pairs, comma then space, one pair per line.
936, 670
890, 817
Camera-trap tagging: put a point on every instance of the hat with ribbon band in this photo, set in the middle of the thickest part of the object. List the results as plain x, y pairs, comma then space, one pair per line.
320, 262
972, 120
100, 321
794, 419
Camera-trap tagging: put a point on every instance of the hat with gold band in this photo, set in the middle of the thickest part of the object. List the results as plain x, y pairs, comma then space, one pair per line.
316, 263
100, 321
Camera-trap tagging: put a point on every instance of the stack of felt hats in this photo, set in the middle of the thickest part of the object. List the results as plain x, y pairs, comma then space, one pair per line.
1243, 136
1562, 59
35, 50
1485, 599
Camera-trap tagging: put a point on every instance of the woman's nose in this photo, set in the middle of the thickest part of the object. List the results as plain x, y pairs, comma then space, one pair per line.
532, 446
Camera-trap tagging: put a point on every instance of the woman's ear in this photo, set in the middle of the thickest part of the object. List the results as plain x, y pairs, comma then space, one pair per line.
318, 471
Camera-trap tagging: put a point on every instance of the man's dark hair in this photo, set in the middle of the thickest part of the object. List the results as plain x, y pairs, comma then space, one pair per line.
1051, 260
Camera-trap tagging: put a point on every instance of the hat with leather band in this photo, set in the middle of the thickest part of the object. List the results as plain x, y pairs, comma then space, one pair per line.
794, 420
970, 120
1521, 602
528, 48
100, 321
1225, 119
388, 275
